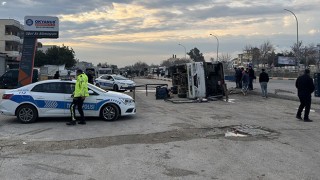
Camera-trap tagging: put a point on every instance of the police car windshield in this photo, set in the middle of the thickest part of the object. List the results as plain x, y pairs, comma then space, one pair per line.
97, 89
119, 77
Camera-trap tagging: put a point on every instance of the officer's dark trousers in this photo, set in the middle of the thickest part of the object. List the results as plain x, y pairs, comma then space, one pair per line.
250, 83
77, 102
240, 82
305, 102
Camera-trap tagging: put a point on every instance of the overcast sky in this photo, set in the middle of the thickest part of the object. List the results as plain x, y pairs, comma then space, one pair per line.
126, 31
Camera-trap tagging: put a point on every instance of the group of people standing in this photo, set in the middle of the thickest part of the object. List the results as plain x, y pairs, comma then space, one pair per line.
304, 85
244, 79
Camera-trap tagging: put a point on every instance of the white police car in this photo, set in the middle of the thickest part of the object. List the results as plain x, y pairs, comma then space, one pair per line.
52, 98
114, 82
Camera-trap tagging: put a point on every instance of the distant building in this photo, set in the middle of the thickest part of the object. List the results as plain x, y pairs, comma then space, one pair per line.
11, 37
250, 56
235, 62
3, 63
83, 65
11, 40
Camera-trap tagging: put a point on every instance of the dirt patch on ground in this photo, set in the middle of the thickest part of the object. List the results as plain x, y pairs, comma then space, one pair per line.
11, 147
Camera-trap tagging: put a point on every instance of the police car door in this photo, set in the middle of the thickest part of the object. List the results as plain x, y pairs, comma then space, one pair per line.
89, 105
110, 82
49, 98
107, 82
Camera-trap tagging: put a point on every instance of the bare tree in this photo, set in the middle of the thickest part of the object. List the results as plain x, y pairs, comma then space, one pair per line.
271, 59
195, 55
309, 55
255, 55
252, 54
140, 66
287, 53
174, 61
247, 48
266, 50
296, 49
225, 57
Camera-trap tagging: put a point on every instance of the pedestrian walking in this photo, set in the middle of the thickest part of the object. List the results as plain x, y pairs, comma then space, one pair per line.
263, 80
305, 87
245, 82
251, 77
90, 77
56, 75
79, 95
237, 76
69, 76
241, 73
158, 72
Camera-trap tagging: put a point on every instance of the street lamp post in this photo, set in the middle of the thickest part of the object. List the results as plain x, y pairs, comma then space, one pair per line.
298, 50
217, 45
318, 64
185, 50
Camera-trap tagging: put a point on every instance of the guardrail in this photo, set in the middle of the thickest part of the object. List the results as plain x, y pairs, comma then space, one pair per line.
133, 88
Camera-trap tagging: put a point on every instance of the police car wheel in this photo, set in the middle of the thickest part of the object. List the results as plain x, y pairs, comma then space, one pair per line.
27, 113
110, 112
115, 88
97, 84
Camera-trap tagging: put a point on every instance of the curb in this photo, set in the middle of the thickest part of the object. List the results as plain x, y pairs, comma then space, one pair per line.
273, 78
282, 78
285, 97
162, 79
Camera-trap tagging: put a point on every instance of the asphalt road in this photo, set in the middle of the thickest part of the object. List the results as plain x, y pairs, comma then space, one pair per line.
283, 89
167, 140
285, 85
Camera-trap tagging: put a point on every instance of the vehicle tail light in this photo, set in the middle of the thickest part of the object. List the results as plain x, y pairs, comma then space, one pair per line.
7, 96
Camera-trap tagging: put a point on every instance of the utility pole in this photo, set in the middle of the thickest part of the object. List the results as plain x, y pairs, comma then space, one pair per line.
298, 49
185, 50
217, 46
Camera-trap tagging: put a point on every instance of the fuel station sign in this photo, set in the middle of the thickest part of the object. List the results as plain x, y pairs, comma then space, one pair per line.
35, 27
41, 27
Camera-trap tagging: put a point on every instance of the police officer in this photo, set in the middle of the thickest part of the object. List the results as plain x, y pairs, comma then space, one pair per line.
305, 87
90, 77
251, 77
79, 95
56, 75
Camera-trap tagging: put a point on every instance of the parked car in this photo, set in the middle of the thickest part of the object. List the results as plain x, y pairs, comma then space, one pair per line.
114, 82
52, 98
10, 78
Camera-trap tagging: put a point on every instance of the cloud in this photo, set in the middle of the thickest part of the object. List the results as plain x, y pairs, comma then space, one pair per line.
156, 27
3, 3
314, 31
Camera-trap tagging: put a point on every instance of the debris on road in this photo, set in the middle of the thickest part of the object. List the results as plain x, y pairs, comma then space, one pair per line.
233, 134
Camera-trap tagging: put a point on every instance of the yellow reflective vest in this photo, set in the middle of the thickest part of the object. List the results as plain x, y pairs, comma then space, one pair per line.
81, 89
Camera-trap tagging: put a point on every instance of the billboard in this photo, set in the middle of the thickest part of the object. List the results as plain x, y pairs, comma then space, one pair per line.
286, 60
27, 61
41, 27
